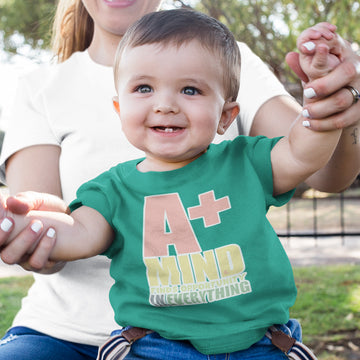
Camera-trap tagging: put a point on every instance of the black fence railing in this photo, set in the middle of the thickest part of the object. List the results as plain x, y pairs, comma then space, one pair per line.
319, 215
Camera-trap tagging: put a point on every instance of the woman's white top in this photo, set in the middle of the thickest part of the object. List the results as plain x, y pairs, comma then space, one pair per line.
70, 105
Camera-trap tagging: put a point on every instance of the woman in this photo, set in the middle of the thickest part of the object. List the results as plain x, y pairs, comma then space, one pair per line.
65, 132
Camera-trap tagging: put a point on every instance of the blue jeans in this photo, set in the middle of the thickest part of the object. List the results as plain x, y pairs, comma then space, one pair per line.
154, 347
21, 343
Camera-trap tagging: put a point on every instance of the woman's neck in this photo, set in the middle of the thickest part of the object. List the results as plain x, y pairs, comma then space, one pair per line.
103, 48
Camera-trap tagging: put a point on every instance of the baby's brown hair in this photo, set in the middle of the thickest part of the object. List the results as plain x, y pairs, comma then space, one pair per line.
177, 27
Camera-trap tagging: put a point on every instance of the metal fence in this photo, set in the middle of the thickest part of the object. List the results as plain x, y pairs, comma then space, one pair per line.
319, 215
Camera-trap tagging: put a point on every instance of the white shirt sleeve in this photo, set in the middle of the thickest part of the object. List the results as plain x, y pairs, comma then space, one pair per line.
27, 123
257, 85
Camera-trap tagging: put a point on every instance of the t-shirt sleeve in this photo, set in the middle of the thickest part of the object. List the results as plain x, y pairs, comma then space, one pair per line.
94, 194
28, 123
97, 194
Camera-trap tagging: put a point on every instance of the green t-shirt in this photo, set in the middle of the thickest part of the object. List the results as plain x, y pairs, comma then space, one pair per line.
194, 256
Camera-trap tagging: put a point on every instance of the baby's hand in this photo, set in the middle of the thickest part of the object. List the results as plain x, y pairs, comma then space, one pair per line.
324, 57
32, 246
320, 30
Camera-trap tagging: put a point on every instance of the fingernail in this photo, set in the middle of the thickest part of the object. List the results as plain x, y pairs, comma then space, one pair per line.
6, 225
357, 67
309, 45
305, 113
36, 226
309, 93
306, 123
50, 233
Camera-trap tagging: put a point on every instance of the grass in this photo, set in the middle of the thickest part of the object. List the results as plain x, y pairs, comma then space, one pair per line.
328, 308
12, 290
328, 302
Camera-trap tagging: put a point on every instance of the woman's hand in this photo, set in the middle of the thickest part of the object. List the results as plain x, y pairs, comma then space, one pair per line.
336, 107
32, 246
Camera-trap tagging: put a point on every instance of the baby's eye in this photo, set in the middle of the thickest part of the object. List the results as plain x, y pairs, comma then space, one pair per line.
143, 89
190, 90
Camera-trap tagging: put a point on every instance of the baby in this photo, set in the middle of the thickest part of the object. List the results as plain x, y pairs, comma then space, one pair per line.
194, 257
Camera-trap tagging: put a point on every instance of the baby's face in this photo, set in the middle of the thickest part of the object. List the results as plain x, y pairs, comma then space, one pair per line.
170, 101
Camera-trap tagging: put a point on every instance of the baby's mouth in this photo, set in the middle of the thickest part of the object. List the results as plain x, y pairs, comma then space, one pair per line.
167, 129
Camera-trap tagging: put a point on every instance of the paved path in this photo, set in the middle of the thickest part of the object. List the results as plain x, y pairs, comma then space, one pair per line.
322, 251
301, 251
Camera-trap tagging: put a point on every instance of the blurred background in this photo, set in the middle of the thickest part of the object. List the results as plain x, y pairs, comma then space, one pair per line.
317, 229
270, 28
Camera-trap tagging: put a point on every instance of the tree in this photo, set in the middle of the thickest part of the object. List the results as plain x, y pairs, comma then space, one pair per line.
271, 27
23, 22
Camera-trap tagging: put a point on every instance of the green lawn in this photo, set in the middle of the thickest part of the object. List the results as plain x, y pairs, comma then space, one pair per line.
328, 299
12, 290
328, 303
328, 307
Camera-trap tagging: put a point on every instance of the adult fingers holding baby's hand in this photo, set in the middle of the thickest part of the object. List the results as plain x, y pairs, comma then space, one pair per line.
324, 29
23, 244
31, 248
341, 120
339, 94
305, 44
38, 260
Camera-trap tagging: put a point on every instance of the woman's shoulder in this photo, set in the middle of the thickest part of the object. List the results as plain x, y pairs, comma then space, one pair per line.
244, 49
46, 73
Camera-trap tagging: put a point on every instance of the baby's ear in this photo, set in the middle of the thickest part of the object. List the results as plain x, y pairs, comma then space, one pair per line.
229, 114
116, 105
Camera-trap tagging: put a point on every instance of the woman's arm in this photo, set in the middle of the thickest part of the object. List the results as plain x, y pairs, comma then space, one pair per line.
296, 157
34, 168
83, 234
30, 160
344, 165
31, 248
275, 117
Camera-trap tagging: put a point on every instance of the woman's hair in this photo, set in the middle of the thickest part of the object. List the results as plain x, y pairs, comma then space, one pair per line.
180, 26
73, 29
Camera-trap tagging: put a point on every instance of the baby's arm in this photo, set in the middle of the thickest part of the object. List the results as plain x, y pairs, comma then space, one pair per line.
303, 152
83, 234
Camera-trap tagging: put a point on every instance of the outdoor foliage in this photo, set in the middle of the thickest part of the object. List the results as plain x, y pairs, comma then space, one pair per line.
269, 27
26, 22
